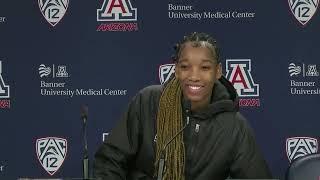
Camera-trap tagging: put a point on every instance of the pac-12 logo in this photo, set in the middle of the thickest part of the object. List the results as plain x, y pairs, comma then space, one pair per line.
53, 10
300, 146
303, 10
239, 74
117, 10
165, 72
51, 152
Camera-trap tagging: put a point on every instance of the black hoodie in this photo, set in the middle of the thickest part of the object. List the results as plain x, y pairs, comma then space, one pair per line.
218, 141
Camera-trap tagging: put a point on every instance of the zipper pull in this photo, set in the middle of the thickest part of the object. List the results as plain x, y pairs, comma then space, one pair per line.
197, 129
187, 113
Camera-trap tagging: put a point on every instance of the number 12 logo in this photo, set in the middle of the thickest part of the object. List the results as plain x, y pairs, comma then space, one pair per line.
53, 10
51, 152
303, 10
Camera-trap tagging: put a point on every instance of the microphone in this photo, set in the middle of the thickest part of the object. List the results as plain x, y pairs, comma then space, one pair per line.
85, 161
187, 105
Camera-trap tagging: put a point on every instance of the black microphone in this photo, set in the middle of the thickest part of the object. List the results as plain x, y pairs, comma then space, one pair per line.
85, 161
187, 105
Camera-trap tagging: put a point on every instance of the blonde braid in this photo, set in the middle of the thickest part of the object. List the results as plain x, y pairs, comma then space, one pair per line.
169, 122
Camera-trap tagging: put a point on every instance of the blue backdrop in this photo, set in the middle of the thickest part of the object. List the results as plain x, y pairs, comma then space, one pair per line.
51, 48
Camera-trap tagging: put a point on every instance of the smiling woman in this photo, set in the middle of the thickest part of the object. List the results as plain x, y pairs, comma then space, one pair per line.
161, 136
197, 70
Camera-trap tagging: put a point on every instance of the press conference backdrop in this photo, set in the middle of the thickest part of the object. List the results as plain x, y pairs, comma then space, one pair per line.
57, 55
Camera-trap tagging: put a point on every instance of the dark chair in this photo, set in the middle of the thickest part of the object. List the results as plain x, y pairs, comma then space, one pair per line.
305, 168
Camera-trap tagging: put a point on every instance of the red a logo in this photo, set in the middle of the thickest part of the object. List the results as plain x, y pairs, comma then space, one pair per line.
239, 74
117, 10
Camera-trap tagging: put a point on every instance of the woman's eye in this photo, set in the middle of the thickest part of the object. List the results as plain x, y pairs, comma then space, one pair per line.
183, 66
205, 67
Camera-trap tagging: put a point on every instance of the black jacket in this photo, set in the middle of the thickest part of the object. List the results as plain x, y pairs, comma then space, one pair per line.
218, 141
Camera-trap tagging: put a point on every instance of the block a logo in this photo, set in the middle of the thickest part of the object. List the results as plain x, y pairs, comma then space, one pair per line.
53, 10
165, 72
117, 10
4, 89
300, 146
303, 10
51, 152
239, 74
119, 13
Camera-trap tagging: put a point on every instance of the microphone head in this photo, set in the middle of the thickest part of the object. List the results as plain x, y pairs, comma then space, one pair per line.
84, 112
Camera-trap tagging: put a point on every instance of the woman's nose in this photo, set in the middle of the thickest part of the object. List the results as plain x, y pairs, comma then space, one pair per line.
194, 75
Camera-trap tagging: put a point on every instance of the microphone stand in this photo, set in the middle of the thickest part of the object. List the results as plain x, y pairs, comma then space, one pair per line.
85, 161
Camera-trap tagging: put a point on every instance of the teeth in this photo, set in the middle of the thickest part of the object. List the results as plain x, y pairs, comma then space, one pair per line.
194, 87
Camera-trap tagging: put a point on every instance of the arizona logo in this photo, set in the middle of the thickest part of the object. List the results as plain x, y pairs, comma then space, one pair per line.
239, 74
4, 92
303, 10
165, 72
4, 89
51, 152
300, 146
119, 13
53, 10
117, 10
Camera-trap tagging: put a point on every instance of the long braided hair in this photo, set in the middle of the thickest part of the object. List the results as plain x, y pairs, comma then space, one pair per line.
169, 117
